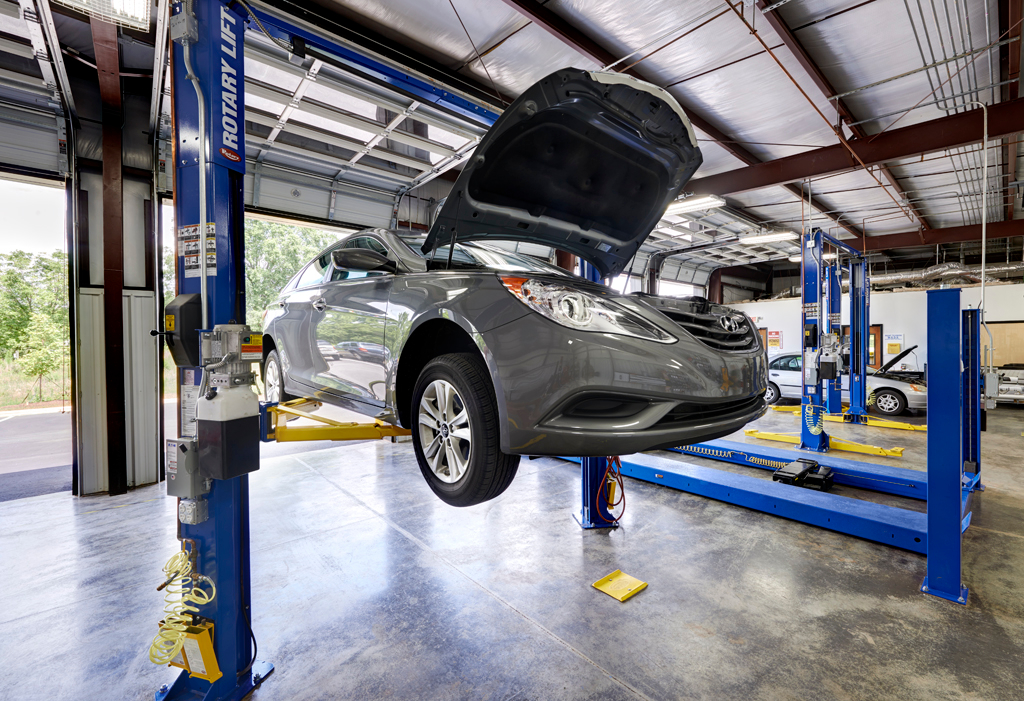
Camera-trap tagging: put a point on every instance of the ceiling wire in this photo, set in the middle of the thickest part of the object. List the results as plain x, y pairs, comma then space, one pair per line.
838, 131
494, 87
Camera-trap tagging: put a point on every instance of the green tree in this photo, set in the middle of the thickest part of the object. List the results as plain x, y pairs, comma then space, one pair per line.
274, 252
46, 348
15, 300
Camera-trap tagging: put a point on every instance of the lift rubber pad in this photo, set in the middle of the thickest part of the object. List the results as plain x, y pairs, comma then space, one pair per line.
883, 524
900, 481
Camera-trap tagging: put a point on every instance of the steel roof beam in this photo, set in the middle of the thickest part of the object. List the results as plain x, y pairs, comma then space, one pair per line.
825, 87
950, 234
1004, 119
565, 32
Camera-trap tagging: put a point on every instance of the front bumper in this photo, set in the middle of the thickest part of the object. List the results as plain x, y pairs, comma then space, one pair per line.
684, 392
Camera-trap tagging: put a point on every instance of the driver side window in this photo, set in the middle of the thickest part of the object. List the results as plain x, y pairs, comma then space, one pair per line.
780, 364
795, 363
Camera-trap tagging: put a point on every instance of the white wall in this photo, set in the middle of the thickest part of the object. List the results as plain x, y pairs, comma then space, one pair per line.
898, 312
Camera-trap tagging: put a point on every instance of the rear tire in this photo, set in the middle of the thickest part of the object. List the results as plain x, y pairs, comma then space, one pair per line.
772, 394
890, 402
455, 431
273, 380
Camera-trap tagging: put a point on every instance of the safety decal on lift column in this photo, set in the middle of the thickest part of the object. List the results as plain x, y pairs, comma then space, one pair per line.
252, 347
188, 246
168, 322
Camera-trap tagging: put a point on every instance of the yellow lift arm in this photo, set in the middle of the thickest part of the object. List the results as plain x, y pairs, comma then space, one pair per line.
277, 416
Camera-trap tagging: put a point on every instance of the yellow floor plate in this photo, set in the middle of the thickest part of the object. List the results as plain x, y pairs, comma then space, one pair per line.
870, 420
620, 585
833, 442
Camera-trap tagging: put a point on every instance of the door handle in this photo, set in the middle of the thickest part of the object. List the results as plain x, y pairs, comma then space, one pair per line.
320, 304
775, 374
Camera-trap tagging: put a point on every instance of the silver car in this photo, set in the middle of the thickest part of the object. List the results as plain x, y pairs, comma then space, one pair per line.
894, 391
487, 355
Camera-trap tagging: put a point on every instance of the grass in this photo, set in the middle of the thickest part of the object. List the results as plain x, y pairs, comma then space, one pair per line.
18, 389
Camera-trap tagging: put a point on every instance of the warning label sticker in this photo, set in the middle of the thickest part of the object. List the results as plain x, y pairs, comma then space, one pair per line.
168, 322
252, 347
188, 246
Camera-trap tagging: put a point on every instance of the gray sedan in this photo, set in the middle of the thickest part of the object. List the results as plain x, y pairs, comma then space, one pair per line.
488, 355
894, 392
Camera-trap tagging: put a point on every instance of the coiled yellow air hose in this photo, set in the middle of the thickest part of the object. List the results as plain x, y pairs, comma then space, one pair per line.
814, 428
183, 597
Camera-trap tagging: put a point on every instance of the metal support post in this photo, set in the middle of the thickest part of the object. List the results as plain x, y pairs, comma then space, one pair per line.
833, 325
859, 298
972, 397
812, 431
594, 512
946, 491
222, 541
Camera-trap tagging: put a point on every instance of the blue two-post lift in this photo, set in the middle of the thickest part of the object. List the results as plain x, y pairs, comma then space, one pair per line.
216, 43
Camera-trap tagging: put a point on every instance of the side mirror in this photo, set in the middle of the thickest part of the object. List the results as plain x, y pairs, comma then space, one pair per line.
363, 259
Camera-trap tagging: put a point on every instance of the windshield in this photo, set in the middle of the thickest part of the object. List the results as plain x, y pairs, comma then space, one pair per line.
480, 255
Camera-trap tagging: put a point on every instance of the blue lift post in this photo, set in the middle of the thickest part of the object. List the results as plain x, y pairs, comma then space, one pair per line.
860, 299
833, 324
222, 541
594, 509
812, 422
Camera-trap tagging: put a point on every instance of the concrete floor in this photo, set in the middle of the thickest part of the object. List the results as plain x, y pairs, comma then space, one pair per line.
365, 586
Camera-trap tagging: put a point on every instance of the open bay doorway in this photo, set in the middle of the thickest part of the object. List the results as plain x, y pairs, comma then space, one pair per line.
35, 363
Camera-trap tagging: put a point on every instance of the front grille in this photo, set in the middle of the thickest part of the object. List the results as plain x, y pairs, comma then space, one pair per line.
692, 413
708, 329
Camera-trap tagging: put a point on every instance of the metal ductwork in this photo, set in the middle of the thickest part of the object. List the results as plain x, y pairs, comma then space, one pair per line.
944, 270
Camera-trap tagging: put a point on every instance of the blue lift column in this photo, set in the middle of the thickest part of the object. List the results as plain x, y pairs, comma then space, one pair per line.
860, 292
948, 488
833, 325
222, 541
812, 433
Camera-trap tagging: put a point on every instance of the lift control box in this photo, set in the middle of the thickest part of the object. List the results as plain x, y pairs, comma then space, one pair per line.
183, 318
805, 473
182, 467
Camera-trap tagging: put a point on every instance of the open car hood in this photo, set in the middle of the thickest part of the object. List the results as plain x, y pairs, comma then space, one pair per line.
898, 358
583, 161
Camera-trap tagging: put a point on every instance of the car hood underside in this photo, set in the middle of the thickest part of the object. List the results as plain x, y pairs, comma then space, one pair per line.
583, 161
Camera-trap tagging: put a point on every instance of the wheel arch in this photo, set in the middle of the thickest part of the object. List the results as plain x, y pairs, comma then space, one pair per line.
437, 335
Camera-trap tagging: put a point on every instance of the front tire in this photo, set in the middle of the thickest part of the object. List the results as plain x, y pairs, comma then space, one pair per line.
455, 431
772, 394
890, 402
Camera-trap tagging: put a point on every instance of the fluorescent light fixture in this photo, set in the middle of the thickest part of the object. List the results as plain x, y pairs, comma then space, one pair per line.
695, 204
770, 237
825, 256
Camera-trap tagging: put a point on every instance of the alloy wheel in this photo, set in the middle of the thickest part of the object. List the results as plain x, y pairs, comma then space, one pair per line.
272, 382
444, 429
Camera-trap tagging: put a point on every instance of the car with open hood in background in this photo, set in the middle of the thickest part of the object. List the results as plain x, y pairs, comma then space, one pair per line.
892, 391
488, 355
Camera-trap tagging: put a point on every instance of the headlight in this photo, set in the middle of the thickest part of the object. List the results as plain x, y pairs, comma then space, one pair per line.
581, 310
915, 388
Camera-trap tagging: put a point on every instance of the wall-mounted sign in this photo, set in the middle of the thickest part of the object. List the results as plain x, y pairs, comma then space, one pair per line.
893, 343
775, 339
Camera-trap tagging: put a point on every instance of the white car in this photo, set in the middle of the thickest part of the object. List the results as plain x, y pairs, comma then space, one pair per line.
894, 392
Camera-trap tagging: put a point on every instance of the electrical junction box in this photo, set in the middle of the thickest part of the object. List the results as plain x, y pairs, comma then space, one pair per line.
811, 335
196, 655
182, 463
811, 378
183, 318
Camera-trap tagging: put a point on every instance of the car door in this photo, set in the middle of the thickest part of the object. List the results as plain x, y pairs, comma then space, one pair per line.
784, 371
293, 327
350, 329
